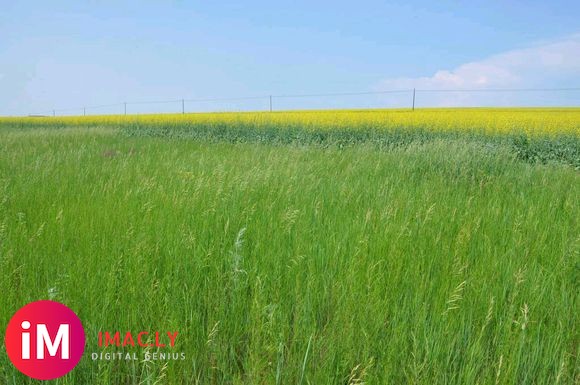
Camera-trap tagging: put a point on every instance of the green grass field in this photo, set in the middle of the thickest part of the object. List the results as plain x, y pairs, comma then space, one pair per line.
445, 259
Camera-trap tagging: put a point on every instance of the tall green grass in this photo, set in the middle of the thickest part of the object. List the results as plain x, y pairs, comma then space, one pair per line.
559, 148
444, 261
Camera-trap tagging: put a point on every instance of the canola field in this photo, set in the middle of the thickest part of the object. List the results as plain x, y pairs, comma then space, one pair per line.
439, 246
530, 121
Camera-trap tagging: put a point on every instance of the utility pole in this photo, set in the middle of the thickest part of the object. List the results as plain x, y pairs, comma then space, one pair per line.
270, 103
413, 99
183, 106
84, 111
53, 113
125, 108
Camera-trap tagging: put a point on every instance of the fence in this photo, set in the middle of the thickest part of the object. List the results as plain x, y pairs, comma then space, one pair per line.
408, 99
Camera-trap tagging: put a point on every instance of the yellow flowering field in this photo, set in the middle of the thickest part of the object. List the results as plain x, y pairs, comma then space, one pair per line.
530, 121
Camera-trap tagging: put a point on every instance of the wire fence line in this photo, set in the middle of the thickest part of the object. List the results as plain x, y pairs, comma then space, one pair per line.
399, 98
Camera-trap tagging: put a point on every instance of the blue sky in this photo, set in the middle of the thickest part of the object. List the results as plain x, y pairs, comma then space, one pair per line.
68, 54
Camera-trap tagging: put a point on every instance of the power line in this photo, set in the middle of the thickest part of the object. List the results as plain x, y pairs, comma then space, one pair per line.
343, 94
271, 98
226, 99
155, 102
501, 90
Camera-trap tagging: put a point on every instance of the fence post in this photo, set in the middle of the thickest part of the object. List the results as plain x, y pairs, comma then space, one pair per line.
270, 103
413, 99
183, 106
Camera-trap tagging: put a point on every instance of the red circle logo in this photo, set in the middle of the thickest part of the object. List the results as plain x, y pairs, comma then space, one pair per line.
45, 340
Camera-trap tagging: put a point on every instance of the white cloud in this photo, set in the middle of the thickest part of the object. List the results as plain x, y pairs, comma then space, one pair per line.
546, 65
